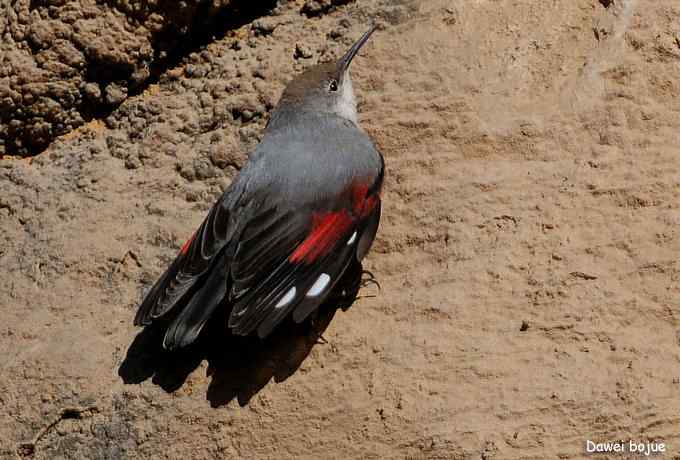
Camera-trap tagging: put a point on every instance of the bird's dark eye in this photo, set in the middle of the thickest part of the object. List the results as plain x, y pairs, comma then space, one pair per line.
333, 85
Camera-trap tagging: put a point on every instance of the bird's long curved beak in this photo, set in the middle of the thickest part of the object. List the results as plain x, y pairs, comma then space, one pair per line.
346, 60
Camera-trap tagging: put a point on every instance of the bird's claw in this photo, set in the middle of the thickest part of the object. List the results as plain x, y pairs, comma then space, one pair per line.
369, 280
321, 340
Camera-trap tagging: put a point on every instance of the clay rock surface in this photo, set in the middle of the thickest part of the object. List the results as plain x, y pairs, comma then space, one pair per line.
63, 62
529, 251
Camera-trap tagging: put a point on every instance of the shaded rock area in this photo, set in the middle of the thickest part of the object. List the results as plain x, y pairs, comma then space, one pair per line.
528, 252
65, 62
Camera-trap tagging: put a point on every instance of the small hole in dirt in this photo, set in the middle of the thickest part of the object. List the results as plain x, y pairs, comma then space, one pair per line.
69, 414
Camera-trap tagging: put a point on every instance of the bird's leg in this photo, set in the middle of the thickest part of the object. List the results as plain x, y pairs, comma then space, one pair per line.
370, 279
318, 336
350, 285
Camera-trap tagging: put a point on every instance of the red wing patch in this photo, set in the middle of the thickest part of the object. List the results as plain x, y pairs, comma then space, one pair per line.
327, 229
185, 248
362, 203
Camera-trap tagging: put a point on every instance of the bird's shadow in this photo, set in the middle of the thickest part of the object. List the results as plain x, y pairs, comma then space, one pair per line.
239, 367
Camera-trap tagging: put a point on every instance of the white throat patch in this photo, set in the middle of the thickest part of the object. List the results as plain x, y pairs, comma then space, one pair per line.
346, 105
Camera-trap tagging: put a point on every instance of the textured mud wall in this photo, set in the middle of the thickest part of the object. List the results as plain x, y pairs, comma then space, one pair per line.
65, 62
529, 252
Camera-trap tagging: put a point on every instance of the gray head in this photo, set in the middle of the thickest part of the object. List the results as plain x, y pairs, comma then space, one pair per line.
325, 88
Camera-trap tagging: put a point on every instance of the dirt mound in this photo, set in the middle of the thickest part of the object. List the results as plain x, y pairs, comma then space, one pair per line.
67, 62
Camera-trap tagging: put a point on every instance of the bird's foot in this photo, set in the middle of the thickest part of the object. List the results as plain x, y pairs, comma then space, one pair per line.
370, 279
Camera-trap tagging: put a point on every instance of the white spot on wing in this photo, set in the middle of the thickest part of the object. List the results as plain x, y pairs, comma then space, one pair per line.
352, 238
319, 285
286, 299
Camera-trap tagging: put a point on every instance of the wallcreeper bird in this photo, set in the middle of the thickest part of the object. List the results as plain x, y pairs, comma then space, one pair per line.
303, 209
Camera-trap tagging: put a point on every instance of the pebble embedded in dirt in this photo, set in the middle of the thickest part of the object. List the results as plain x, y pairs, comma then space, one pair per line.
302, 51
115, 94
312, 8
264, 26
92, 91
